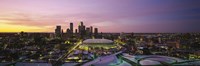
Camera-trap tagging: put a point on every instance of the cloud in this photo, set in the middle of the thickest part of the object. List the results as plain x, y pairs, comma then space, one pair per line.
103, 24
29, 19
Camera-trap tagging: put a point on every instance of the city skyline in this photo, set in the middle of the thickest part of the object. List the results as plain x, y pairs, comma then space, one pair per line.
107, 16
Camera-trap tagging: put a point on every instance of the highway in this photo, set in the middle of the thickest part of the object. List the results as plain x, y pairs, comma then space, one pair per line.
60, 59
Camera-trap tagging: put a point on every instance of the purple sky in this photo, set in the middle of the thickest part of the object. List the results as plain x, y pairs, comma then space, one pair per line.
107, 15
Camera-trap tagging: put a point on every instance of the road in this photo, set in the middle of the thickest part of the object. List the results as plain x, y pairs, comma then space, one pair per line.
59, 61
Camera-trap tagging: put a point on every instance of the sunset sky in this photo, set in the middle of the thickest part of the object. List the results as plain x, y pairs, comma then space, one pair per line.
107, 15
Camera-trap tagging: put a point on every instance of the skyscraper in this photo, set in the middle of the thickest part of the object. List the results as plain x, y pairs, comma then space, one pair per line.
68, 31
76, 31
95, 32
58, 31
81, 29
91, 29
71, 28
88, 31
81, 23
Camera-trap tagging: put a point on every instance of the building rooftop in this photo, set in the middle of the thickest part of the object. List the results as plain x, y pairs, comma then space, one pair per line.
99, 41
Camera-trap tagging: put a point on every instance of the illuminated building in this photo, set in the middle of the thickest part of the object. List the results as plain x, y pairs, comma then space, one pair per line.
98, 43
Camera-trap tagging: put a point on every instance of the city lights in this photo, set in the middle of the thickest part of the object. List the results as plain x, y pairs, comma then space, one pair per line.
99, 33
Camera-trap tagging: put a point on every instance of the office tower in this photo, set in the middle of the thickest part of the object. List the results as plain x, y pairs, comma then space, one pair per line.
58, 31
76, 31
68, 31
91, 29
88, 31
81, 29
81, 23
95, 32
71, 28
58, 28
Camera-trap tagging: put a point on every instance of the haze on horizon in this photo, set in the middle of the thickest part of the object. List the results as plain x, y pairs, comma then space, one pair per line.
107, 15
